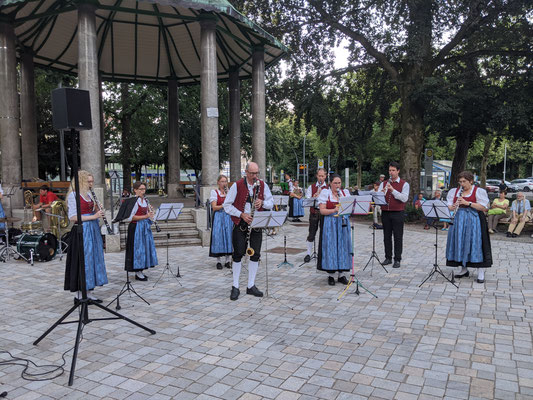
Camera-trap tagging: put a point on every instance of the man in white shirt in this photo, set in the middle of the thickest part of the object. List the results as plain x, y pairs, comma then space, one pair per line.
238, 205
393, 214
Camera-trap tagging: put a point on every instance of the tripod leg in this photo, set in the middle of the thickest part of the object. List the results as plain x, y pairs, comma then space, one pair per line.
116, 314
76, 345
59, 321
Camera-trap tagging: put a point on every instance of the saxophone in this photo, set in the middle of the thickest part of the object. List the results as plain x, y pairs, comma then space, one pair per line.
109, 230
249, 251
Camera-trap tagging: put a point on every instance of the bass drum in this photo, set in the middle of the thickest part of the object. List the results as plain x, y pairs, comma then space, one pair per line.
42, 245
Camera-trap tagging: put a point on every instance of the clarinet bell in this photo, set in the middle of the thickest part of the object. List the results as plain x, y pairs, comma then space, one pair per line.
250, 252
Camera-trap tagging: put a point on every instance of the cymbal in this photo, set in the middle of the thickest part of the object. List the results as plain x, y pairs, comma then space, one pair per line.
10, 219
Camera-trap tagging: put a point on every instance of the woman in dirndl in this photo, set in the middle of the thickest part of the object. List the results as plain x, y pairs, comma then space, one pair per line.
222, 225
297, 202
468, 242
140, 247
93, 246
335, 246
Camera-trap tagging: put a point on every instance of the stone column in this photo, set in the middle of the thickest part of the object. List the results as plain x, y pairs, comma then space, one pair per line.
234, 125
9, 114
209, 105
258, 109
174, 161
90, 141
28, 116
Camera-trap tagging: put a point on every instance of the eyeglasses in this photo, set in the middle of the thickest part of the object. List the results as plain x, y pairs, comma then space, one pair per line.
252, 173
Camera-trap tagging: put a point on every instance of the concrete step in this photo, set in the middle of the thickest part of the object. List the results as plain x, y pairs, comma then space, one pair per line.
170, 226
173, 242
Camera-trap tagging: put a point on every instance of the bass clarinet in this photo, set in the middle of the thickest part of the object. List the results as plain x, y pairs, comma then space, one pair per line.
99, 205
157, 227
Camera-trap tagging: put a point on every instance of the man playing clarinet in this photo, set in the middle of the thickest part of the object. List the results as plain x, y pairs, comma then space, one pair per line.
238, 205
396, 194
313, 192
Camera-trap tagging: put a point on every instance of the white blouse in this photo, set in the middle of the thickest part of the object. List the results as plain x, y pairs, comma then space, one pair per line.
481, 197
71, 203
325, 195
139, 202
213, 196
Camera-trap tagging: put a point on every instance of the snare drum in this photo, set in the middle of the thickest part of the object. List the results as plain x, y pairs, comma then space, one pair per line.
43, 246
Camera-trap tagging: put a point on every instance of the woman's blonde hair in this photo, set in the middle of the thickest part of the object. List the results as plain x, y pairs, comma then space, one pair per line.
83, 177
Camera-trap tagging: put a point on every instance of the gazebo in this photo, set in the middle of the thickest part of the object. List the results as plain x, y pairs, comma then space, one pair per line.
170, 42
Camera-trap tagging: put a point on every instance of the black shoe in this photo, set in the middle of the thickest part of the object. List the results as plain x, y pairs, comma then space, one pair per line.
234, 293
514, 235
331, 281
307, 258
508, 234
463, 275
141, 279
254, 291
228, 265
396, 264
378, 226
387, 261
297, 220
99, 301
343, 280
481, 280
219, 266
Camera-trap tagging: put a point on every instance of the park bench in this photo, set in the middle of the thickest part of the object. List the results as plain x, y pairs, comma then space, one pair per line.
60, 188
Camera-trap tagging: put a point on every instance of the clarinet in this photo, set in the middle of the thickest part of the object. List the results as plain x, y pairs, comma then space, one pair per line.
339, 193
109, 230
157, 227
459, 194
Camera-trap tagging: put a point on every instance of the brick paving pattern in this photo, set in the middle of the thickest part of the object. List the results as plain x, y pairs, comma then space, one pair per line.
299, 343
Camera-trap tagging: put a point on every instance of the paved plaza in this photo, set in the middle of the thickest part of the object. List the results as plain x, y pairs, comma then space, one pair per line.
300, 342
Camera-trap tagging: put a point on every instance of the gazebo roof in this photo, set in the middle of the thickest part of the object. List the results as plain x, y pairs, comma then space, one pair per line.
146, 41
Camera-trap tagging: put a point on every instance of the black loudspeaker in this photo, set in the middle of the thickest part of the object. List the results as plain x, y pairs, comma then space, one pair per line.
71, 109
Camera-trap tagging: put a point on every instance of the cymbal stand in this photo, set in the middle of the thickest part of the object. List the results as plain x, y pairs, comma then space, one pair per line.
7, 251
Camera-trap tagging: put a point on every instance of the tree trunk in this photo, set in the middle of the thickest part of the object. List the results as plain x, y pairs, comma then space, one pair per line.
125, 138
359, 172
462, 144
412, 140
485, 160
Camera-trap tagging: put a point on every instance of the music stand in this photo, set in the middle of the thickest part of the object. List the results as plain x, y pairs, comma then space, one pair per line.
165, 213
10, 193
436, 209
378, 200
353, 278
264, 220
311, 203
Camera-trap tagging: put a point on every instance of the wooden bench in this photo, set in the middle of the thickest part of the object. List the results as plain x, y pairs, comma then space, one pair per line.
60, 188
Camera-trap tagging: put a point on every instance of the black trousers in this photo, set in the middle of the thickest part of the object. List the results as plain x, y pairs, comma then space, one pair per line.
393, 225
314, 222
240, 245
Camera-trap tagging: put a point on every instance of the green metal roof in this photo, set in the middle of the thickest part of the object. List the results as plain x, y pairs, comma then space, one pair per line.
141, 41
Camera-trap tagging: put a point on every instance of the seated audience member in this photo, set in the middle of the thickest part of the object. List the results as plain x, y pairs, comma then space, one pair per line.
498, 210
520, 209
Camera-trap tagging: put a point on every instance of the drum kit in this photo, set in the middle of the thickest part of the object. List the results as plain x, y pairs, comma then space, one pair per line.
30, 244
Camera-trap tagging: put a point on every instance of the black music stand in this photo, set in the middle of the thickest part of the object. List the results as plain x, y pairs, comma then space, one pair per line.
127, 288
379, 200
311, 203
83, 303
353, 278
165, 213
436, 209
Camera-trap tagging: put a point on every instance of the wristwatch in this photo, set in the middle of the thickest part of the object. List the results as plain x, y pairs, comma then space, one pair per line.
469, 204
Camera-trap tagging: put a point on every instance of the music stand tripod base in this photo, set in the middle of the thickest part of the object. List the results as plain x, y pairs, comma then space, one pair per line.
128, 287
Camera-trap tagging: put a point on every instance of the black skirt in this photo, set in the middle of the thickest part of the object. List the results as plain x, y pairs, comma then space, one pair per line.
72, 271
291, 207
130, 248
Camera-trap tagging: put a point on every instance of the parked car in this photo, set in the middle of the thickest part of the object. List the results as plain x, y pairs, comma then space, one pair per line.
496, 182
488, 187
524, 185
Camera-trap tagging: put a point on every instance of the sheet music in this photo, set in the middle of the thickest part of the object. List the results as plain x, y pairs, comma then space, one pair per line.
269, 219
362, 204
379, 198
436, 209
168, 211
346, 205
312, 202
